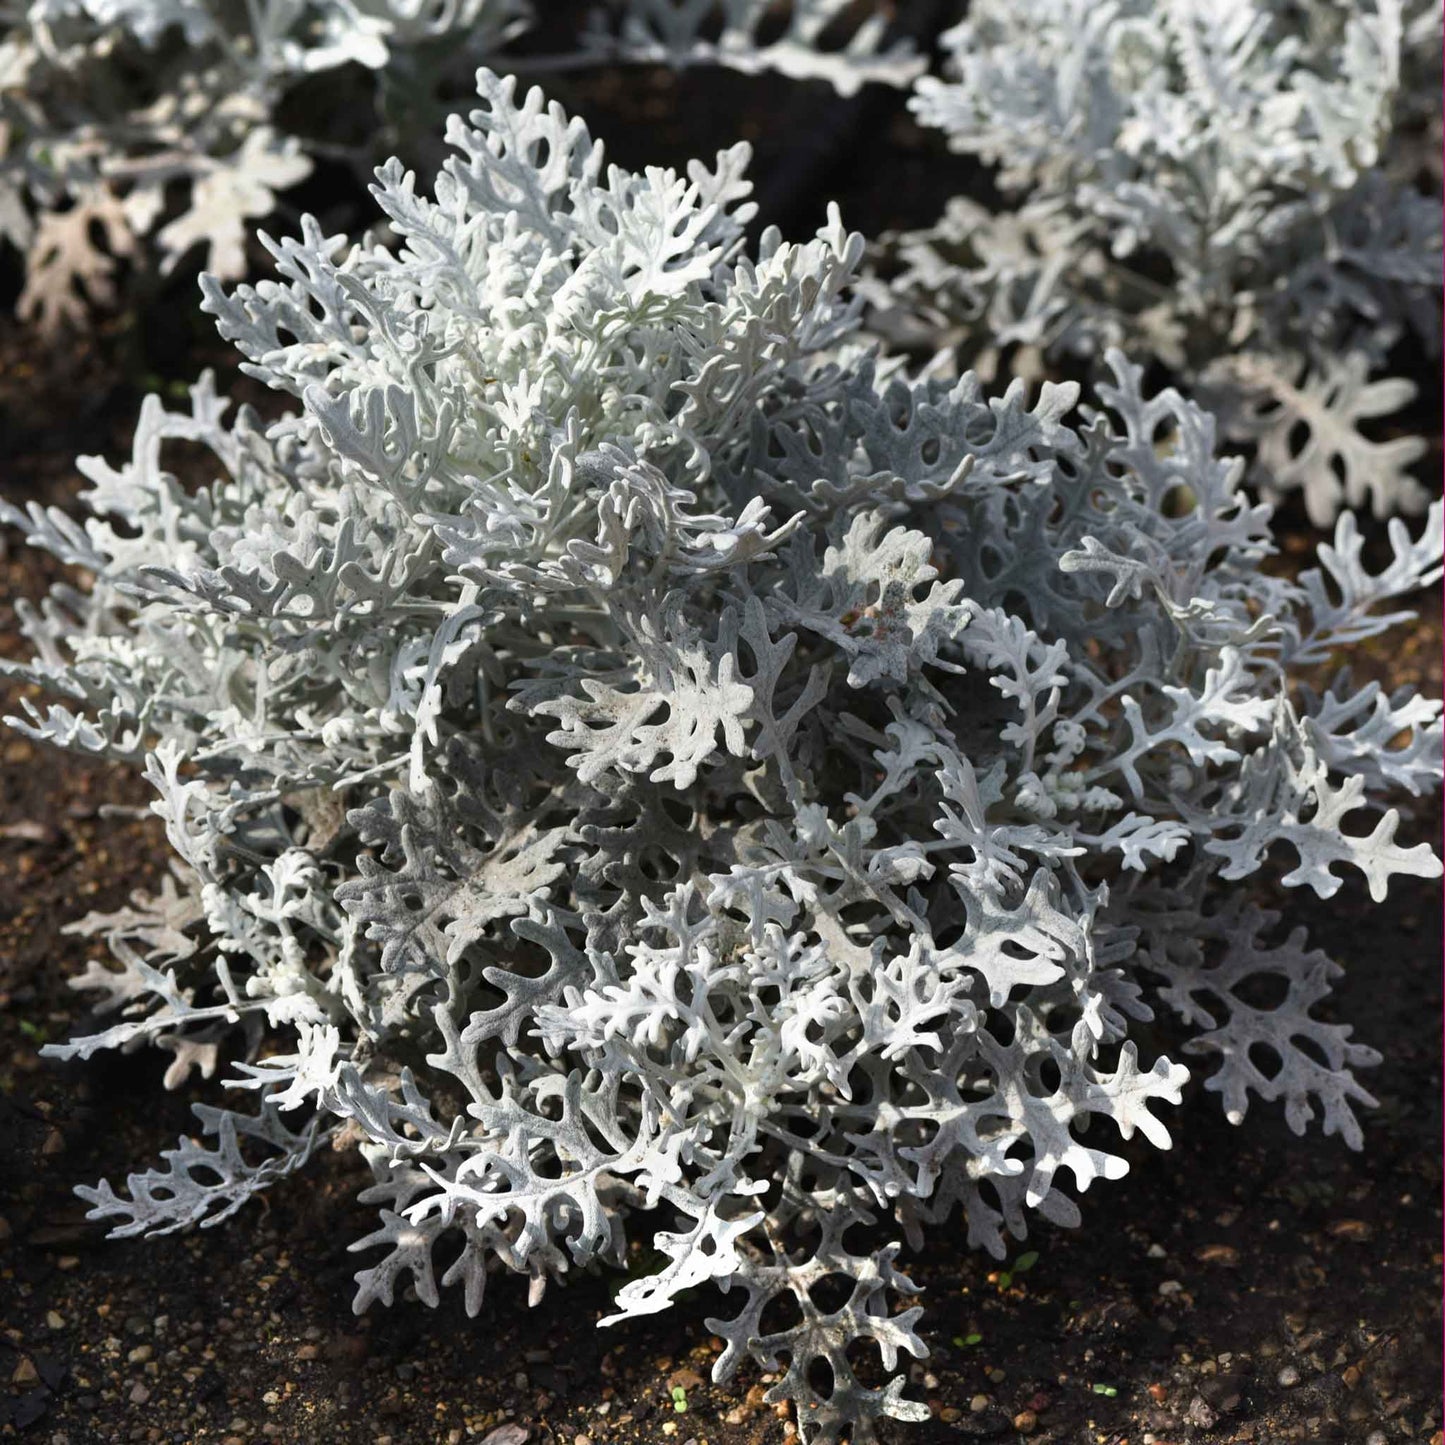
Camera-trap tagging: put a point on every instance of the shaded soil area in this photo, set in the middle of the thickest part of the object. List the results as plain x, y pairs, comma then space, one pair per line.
1245, 1287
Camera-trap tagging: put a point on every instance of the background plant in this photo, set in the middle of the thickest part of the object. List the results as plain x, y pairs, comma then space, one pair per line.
636, 768
1246, 190
183, 121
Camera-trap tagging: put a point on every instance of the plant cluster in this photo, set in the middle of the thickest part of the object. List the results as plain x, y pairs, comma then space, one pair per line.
641, 770
1244, 190
183, 121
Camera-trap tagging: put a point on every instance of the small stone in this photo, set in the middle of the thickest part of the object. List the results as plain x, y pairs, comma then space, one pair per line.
669, 1427
1169, 1287
1217, 1254
54, 1319
1376, 1437
1288, 1377
1222, 1393
930, 1381
581, 1440
1354, 1229
1026, 1422
139, 1393
997, 1376
271, 1397
54, 1143
978, 1404
68, 1262
949, 1414
1155, 1251
307, 1352
1200, 1414
25, 1372
139, 1355
509, 1434
1351, 1376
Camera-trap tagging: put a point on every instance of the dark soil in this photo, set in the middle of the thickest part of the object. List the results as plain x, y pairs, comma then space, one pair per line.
1247, 1286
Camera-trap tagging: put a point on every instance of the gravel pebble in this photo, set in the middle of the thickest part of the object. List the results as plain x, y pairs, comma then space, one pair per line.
1200, 1414
509, 1434
1288, 1377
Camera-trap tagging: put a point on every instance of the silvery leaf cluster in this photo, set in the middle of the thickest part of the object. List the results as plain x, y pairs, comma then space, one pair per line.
639, 769
109, 108
1244, 190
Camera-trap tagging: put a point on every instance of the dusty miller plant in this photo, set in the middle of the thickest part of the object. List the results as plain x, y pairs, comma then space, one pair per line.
105, 104
639, 773
1246, 190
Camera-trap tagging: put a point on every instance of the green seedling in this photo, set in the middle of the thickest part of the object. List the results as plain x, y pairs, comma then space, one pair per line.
1022, 1265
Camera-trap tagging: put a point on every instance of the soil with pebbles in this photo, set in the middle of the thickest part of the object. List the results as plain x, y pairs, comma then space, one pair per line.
1245, 1287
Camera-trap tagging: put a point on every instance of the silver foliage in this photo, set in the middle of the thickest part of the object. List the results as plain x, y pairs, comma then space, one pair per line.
107, 104
832, 40
633, 769
1245, 190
